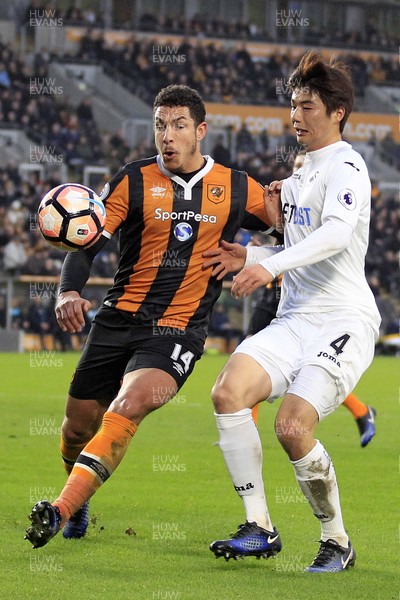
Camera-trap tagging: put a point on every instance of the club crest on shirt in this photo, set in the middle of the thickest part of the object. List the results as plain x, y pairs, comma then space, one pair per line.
347, 198
216, 193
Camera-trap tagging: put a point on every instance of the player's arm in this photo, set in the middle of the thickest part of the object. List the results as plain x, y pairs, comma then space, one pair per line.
75, 272
231, 258
339, 219
263, 210
326, 241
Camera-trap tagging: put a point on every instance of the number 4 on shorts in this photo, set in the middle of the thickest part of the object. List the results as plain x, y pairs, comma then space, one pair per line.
339, 343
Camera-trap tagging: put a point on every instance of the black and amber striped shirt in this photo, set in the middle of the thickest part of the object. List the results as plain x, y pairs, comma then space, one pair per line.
165, 224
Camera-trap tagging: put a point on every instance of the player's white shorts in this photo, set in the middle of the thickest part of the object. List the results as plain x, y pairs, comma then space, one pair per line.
319, 357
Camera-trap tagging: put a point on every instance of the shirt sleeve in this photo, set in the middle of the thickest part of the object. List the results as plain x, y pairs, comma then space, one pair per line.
348, 188
329, 239
115, 196
76, 267
255, 216
256, 254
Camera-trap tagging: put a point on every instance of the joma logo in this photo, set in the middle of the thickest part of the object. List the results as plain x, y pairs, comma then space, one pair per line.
243, 488
332, 358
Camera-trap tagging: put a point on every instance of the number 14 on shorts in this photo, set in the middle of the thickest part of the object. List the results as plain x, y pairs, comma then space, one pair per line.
185, 358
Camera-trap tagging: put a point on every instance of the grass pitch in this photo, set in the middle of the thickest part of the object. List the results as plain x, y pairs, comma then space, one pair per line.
153, 520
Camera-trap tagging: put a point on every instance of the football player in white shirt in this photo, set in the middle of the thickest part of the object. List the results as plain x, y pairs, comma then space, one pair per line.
263, 313
323, 339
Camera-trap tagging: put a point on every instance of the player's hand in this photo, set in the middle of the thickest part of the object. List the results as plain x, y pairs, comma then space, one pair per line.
249, 279
273, 205
70, 310
227, 258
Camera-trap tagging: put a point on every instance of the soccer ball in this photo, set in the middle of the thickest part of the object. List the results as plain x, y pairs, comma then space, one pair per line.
71, 217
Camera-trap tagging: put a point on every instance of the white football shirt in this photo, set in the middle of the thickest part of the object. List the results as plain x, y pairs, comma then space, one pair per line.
332, 188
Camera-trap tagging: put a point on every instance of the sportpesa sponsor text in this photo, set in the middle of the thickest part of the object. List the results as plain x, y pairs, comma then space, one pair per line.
184, 215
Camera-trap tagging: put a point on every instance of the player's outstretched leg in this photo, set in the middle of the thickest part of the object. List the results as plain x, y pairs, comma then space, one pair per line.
46, 520
92, 468
77, 525
366, 426
332, 558
364, 416
249, 540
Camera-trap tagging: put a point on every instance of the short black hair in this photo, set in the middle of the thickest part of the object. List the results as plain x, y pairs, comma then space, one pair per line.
182, 95
330, 81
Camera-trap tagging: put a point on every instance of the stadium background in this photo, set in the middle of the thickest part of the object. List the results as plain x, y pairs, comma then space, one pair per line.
76, 86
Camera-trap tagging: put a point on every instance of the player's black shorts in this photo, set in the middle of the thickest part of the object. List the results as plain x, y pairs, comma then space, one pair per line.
117, 344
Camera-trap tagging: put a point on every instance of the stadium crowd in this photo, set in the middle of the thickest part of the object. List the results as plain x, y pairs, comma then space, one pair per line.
368, 35
221, 74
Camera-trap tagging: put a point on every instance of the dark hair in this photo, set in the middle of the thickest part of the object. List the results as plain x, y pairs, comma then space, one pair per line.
182, 95
331, 82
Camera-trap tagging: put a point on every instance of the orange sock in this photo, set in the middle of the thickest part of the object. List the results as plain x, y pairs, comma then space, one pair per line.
355, 406
254, 412
69, 453
96, 463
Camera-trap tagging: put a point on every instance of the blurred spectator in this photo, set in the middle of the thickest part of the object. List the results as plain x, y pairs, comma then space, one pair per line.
15, 253
263, 140
17, 318
220, 326
39, 319
244, 140
389, 150
220, 153
84, 112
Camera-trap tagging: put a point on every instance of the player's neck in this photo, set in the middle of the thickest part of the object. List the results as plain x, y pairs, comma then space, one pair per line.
324, 144
187, 176
192, 169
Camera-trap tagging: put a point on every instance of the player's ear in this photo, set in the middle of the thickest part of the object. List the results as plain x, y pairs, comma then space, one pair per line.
201, 131
340, 113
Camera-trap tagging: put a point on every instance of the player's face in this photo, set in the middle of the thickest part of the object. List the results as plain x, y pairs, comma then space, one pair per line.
314, 128
178, 139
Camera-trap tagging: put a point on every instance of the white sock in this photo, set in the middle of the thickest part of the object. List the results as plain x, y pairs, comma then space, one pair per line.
317, 480
240, 443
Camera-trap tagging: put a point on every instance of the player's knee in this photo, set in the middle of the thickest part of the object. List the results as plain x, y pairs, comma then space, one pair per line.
134, 405
295, 437
78, 432
224, 397
290, 432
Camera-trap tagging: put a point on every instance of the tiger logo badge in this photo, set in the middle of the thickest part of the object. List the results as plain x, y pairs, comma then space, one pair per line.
216, 193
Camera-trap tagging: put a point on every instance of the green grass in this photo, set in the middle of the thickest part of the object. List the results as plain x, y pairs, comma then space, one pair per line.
174, 512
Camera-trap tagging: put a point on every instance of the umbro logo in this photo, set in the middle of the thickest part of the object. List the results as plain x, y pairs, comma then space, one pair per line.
158, 191
178, 368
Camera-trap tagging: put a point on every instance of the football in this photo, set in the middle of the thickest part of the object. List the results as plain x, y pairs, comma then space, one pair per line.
71, 216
